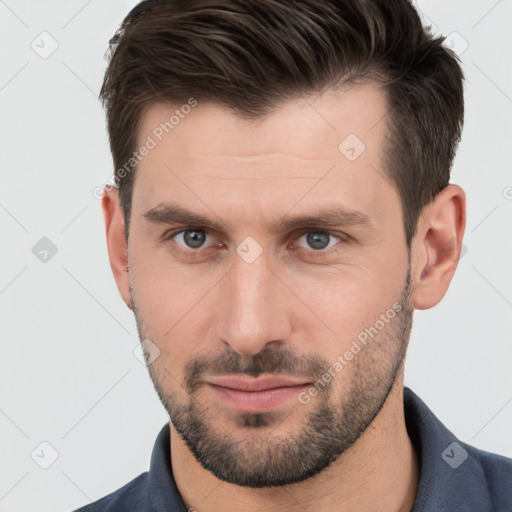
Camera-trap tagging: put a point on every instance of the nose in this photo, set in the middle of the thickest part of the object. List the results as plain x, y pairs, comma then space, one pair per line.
253, 307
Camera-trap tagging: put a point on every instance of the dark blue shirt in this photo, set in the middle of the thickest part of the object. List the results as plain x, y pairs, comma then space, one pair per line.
454, 477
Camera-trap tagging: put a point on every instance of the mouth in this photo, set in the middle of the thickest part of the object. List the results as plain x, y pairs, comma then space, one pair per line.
263, 394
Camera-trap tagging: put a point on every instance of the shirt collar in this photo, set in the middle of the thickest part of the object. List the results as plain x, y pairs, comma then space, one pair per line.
163, 493
451, 477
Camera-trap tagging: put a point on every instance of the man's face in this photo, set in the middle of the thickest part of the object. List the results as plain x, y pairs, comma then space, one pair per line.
247, 294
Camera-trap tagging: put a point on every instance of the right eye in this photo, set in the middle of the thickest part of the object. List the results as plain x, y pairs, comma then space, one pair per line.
190, 241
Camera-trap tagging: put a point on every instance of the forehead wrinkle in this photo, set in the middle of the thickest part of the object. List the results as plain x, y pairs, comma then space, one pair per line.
273, 156
261, 178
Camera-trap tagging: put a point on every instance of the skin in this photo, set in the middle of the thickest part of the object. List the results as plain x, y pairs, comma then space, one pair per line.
292, 297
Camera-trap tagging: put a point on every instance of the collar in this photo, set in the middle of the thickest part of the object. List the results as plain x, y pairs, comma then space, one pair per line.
451, 474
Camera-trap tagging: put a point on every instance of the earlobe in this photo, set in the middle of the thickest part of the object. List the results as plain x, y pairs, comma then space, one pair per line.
116, 242
437, 246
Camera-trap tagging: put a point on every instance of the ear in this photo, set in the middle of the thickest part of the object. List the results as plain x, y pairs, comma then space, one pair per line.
116, 243
437, 245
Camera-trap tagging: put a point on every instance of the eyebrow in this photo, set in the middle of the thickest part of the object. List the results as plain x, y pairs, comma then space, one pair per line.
170, 213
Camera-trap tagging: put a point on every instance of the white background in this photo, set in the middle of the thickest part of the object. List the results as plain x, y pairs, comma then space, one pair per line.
67, 369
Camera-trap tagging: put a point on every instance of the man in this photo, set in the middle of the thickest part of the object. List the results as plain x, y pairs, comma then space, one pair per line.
282, 205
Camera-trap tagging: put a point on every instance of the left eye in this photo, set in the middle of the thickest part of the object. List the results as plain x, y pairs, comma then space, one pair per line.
319, 240
191, 238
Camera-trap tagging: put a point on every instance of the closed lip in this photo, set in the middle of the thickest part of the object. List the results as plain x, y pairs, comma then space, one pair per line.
251, 384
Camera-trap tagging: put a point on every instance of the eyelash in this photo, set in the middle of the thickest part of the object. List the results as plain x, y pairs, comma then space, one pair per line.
343, 238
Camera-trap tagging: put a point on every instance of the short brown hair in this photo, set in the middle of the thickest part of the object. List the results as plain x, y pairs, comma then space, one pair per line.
251, 55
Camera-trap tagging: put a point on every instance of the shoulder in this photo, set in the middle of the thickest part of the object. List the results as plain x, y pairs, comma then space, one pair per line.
496, 471
132, 496
454, 475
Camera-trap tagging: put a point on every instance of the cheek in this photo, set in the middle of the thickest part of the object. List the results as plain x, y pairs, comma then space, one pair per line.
348, 303
155, 299
160, 288
176, 306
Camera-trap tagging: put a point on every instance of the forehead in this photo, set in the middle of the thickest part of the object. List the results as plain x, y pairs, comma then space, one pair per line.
331, 143
309, 126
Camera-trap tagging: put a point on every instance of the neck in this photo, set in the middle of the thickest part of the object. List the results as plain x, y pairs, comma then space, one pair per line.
379, 471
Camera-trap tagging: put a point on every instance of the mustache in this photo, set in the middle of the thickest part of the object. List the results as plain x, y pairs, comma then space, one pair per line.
268, 361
